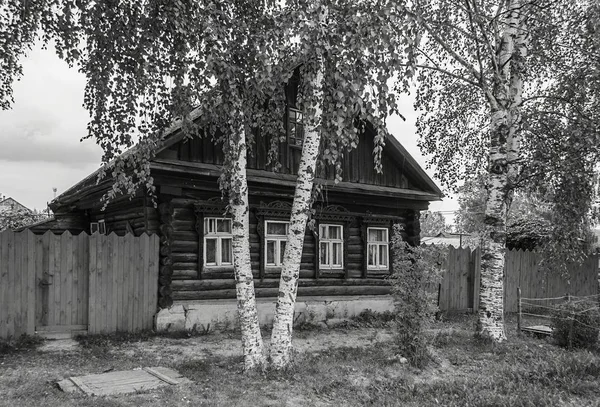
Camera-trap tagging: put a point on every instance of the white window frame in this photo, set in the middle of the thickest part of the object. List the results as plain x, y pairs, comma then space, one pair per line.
330, 242
378, 265
98, 227
102, 227
277, 239
218, 236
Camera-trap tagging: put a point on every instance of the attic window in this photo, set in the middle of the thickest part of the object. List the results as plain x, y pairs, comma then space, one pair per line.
99, 227
295, 128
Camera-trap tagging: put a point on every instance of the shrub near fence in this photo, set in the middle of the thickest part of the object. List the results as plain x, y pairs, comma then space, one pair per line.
64, 283
459, 290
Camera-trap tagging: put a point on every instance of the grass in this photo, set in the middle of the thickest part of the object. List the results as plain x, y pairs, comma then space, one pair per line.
464, 372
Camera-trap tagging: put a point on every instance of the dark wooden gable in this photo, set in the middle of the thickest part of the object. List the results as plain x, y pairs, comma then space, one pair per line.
399, 169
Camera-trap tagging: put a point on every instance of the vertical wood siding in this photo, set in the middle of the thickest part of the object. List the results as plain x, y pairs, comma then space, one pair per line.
459, 289
62, 282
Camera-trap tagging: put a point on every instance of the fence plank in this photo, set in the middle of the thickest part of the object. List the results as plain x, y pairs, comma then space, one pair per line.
93, 284
4, 304
106, 283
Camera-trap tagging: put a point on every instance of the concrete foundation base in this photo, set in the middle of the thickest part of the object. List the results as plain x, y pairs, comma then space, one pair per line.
222, 314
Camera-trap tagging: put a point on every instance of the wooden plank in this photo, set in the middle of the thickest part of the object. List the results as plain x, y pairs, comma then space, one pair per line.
67, 289
86, 278
145, 280
154, 264
45, 277
104, 283
127, 285
54, 305
3, 284
10, 323
117, 295
74, 288
113, 282
161, 376
18, 286
31, 249
92, 283
136, 266
82, 386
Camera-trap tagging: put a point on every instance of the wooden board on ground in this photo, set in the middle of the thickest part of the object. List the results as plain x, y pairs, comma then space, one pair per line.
538, 329
123, 382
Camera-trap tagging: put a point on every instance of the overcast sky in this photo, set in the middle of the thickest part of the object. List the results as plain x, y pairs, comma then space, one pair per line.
40, 145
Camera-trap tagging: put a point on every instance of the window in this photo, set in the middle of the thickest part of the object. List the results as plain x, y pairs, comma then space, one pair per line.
217, 242
295, 128
331, 246
99, 227
275, 238
377, 249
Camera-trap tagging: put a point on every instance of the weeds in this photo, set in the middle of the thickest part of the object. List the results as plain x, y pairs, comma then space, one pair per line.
22, 344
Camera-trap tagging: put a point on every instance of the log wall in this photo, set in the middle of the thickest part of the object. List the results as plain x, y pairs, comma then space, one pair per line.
136, 216
190, 281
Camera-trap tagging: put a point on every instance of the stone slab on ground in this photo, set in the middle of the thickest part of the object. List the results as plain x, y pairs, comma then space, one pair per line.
59, 345
123, 382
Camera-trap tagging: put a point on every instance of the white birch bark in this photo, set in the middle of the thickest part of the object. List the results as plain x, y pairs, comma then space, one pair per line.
252, 343
503, 169
281, 338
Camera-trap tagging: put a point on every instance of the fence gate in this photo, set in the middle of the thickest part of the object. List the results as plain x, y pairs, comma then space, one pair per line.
61, 266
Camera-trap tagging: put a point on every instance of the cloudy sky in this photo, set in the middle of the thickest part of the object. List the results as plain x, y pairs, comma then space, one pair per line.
40, 145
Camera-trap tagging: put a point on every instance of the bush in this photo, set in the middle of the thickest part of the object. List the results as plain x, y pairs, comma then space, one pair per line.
414, 270
576, 324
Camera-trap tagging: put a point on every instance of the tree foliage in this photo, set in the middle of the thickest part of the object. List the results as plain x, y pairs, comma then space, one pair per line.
18, 218
416, 273
510, 89
219, 68
432, 223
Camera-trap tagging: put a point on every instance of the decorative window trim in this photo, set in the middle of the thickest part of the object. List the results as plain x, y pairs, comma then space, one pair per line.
377, 243
213, 207
331, 242
278, 239
272, 211
219, 237
372, 221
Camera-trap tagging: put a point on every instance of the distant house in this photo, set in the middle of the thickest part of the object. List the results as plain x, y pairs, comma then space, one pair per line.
10, 204
447, 239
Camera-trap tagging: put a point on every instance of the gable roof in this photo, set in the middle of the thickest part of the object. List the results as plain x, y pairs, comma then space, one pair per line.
173, 135
7, 200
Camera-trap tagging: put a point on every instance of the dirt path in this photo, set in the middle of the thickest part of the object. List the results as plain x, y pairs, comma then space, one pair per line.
229, 345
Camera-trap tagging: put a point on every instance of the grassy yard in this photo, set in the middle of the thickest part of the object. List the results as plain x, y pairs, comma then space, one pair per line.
352, 366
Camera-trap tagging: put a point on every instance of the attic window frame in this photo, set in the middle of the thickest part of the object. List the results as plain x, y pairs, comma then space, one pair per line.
298, 128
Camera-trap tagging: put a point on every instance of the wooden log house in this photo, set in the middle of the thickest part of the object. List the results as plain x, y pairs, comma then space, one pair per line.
346, 253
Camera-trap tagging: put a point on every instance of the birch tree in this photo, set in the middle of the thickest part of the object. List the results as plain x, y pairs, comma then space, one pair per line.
210, 65
350, 46
487, 71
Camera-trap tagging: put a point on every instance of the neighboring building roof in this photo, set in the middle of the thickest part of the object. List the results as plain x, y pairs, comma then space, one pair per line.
10, 203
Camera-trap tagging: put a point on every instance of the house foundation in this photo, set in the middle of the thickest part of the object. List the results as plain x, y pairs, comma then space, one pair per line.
222, 315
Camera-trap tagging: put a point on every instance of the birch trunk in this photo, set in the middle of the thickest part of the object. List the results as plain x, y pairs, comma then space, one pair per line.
490, 322
281, 338
252, 343
503, 171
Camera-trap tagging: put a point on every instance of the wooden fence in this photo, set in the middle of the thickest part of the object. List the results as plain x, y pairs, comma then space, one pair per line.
66, 283
459, 289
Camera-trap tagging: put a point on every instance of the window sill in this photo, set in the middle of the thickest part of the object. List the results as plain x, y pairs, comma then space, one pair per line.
218, 268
